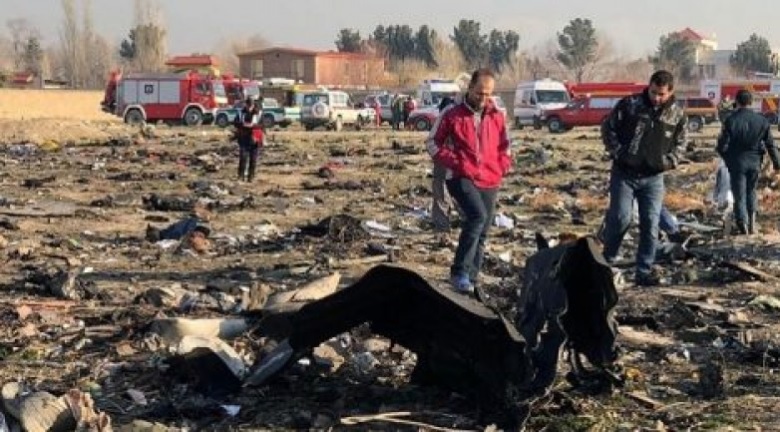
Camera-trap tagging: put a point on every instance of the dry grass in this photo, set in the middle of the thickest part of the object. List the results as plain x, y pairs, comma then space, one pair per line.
593, 203
52, 104
681, 201
547, 201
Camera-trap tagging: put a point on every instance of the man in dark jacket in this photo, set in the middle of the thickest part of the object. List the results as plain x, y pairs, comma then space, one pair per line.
745, 137
470, 140
250, 138
643, 136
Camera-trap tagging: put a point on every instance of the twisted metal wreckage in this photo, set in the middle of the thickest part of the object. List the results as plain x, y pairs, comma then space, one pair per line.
566, 303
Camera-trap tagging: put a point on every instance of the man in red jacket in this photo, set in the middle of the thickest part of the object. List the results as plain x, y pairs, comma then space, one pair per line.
470, 140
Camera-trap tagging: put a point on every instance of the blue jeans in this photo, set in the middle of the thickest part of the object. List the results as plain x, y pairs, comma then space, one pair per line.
477, 210
744, 173
247, 158
649, 194
668, 223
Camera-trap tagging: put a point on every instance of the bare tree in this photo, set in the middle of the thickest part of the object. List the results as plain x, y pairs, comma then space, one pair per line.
547, 56
21, 31
71, 44
89, 56
637, 70
144, 50
227, 50
603, 56
410, 72
6, 54
449, 58
515, 71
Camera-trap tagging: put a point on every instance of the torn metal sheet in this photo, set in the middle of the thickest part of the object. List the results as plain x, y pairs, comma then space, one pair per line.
462, 345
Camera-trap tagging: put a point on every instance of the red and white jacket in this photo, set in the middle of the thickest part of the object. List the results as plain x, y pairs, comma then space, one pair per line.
471, 145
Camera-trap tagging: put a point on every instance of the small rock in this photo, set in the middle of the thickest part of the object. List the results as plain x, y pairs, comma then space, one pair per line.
327, 355
24, 311
376, 345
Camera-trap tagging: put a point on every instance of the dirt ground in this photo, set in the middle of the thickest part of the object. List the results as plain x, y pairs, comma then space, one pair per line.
98, 172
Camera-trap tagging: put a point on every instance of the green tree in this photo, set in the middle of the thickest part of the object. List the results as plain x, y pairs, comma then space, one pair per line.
473, 45
502, 47
424, 46
33, 55
676, 54
144, 47
349, 40
127, 48
397, 41
577, 46
754, 55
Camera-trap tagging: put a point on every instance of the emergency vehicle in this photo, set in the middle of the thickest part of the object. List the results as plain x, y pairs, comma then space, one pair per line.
766, 93
423, 118
432, 91
534, 98
187, 97
237, 89
590, 105
604, 88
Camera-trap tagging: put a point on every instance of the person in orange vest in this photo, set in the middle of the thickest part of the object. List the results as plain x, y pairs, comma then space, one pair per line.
250, 139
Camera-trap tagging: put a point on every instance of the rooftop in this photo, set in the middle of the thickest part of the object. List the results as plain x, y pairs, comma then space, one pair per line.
193, 60
305, 52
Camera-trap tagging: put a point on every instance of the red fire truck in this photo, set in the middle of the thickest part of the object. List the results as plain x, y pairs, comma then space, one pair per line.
604, 88
766, 93
238, 89
185, 97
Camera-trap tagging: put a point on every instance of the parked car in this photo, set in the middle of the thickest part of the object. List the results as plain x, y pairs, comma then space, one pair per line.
699, 110
385, 102
333, 110
272, 114
582, 111
422, 119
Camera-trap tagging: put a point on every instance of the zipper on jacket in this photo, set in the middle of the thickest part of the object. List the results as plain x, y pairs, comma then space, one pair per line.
478, 132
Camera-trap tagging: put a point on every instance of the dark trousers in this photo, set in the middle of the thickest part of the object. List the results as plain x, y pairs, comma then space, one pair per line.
649, 194
477, 210
247, 160
744, 173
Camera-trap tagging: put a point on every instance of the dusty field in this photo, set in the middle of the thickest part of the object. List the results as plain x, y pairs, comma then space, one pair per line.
51, 104
703, 316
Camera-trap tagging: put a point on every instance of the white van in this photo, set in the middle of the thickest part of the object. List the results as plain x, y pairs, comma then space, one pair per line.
432, 91
532, 98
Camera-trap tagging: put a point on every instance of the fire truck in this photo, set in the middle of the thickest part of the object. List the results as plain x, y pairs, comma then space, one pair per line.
238, 89
186, 97
604, 88
766, 93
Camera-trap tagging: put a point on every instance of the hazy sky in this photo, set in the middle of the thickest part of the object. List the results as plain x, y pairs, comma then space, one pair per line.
633, 25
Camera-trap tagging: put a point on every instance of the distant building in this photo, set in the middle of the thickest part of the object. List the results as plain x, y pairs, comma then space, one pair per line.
329, 68
24, 80
709, 60
202, 63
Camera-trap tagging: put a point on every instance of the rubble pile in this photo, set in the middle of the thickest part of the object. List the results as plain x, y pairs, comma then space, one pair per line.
143, 288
